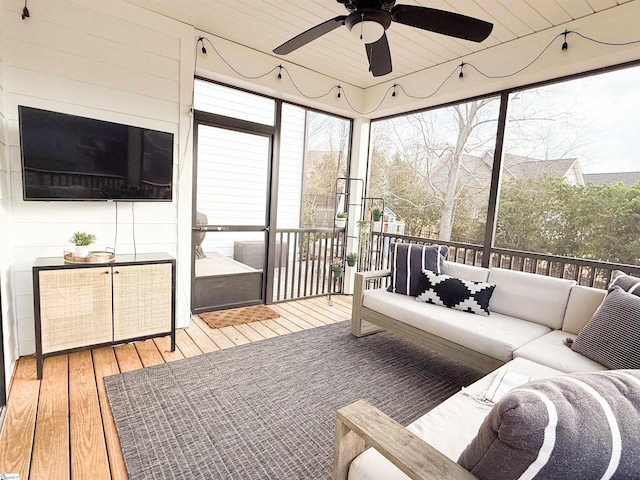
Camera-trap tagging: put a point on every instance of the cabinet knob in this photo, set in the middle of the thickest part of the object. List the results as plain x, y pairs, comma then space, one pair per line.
106, 272
116, 272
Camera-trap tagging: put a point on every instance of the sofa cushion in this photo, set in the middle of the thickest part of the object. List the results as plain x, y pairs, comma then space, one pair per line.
582, 304
550, 350
496, 335
460, 414
452, 292
628, 283
468, 272
529, 296
612, 336
583, 425
407, 262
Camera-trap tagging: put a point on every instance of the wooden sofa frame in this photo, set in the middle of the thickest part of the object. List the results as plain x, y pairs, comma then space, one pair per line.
361, 423
454, 351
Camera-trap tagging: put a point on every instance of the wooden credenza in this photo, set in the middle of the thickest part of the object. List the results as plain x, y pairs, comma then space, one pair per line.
81, 306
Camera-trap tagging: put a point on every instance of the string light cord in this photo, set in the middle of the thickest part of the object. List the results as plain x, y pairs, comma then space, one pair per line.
526, 66
384, 97
249, 77
311, 97
396, 86
601, 42
435, 91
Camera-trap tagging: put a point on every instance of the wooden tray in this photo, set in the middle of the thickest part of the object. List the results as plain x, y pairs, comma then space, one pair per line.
93, 257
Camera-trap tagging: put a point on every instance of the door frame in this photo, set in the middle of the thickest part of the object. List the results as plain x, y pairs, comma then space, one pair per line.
272, 132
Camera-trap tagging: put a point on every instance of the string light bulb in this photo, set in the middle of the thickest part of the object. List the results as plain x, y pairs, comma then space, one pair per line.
565, 46
25, 11
393, 94
204, 50
461, 74
339, 89
279, 72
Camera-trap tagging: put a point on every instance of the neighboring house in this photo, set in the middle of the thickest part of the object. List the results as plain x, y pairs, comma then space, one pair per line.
628, 179
474, 175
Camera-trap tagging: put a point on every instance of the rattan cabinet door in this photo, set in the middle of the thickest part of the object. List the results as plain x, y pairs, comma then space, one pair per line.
75, 308
141, 300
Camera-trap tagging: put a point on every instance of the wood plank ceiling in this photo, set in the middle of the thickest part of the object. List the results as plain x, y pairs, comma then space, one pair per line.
264, 24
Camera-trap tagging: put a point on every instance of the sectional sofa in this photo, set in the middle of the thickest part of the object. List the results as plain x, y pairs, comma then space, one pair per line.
531, 316
524, 332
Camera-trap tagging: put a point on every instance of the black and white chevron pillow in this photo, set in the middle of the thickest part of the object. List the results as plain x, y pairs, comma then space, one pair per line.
447, 291
581, 426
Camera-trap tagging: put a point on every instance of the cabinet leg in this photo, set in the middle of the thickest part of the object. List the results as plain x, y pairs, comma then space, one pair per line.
173, 341
39, 362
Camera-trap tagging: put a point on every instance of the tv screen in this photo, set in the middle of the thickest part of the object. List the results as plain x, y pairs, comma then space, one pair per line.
66, 157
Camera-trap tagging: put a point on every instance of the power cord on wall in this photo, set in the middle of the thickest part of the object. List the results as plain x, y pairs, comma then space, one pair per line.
133, 229
115, 240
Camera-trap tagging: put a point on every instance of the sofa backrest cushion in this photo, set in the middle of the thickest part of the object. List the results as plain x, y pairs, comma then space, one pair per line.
612, 336
585, 425
407, 262
466, 272
529, 296
582, 304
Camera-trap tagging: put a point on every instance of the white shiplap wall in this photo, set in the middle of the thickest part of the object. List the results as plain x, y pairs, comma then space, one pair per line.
106, 60
8, 320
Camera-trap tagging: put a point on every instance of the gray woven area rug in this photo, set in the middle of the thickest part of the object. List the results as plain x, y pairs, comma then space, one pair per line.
267, 410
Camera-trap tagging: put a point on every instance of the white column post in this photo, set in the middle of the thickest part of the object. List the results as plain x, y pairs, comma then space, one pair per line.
358, 169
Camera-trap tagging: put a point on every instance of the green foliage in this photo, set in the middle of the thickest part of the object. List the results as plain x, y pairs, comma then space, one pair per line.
545, 215
82, 239
352, 256
341, 215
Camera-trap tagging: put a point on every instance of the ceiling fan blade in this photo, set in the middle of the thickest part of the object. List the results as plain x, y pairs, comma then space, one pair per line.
379, 56
309, 35
441, 21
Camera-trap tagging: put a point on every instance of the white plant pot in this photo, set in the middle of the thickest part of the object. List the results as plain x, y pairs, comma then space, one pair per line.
82, 251
341, 222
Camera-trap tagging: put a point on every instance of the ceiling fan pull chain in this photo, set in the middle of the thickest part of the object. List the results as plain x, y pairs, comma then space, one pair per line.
361, 25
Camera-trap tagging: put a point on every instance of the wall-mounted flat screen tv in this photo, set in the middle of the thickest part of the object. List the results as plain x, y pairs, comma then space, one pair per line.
67, 157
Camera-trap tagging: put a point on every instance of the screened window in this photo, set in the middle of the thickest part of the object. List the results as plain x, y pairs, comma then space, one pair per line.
433, 169
570, 169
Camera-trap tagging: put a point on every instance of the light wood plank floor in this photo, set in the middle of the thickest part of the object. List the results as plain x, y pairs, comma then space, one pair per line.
61, 427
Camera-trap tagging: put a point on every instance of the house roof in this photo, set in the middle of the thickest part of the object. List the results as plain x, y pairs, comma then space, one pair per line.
627, 178
524, 167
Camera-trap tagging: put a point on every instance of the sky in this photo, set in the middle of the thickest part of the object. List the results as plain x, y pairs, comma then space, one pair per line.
607, 106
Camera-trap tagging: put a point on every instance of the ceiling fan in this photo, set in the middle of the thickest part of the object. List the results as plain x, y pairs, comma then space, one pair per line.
369, 20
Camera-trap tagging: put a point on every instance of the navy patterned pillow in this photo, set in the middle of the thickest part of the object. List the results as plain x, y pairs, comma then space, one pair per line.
584, 425
626, 282
452, 292
407, 262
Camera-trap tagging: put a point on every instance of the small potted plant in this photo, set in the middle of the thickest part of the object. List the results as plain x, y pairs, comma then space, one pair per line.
82, 240
341, 219
352, 258
376, 214
337, 267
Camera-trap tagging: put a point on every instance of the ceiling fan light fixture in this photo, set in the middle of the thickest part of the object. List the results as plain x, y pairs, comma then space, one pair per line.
368, 31
368, 25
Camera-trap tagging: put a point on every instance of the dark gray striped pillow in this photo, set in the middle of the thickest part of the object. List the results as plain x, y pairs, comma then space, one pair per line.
612, 336
407, 261
628, 283
580, 426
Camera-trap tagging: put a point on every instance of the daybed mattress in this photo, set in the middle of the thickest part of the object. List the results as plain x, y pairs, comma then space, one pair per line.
449, 427
496, 335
